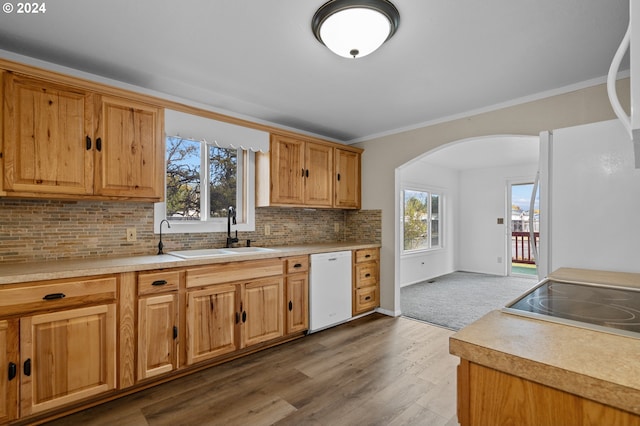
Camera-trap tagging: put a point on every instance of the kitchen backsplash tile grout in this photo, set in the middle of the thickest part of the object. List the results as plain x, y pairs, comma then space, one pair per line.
35, 230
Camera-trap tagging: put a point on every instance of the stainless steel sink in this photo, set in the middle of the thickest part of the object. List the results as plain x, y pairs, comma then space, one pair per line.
213, 252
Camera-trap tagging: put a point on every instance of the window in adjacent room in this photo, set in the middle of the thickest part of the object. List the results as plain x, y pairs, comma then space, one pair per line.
421, 220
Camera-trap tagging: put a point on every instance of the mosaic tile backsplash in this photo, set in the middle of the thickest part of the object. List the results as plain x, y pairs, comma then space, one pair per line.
35, 230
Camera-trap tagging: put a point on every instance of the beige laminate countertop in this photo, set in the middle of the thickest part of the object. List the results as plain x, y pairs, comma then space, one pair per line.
13, 273
600, 366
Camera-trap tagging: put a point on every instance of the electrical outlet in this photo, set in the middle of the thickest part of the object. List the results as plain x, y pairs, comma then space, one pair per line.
336, 226
267, 230
131, 234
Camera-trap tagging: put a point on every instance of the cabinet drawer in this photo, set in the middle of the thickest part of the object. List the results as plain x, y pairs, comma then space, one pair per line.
158, 282
367, 255
233, 271
366, 274
56, 295
366, 299
297, 264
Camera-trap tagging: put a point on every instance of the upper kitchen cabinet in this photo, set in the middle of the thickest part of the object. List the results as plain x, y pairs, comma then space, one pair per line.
47, 143
347, 185
303, 173
61, 140
129, 149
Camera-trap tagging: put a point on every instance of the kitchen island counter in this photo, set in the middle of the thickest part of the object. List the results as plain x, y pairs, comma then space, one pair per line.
13, 273
594, 365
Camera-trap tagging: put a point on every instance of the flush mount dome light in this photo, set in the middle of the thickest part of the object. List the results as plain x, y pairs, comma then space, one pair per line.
353, 29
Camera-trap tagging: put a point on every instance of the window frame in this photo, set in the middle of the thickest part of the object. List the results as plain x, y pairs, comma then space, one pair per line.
441, 201
245, 191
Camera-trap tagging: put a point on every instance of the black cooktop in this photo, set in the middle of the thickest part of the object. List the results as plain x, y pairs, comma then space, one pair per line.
611, 309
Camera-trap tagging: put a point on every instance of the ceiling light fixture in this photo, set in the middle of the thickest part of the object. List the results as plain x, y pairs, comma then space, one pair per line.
352, 28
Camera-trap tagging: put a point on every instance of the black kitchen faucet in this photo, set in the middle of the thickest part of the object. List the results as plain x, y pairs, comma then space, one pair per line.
231, 217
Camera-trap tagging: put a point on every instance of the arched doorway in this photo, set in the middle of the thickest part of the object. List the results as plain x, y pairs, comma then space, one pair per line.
471, 178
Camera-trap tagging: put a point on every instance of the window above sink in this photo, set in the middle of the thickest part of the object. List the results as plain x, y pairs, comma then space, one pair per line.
210, 165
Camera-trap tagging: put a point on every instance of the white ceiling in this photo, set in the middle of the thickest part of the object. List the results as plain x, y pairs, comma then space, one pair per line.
260, 59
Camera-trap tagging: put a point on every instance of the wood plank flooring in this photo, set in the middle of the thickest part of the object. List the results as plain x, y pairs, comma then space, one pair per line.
376, 370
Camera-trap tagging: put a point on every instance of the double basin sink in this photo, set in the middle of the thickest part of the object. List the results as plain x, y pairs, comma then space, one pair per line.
217, 252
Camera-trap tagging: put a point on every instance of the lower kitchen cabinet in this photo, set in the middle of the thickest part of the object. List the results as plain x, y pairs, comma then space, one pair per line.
211, 322
67, 356
157, 322
9, 374
297, 294
262, 311
157, 335
366, 282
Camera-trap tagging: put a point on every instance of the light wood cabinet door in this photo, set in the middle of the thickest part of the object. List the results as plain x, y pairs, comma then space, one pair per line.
130, 149
318, 186
297, 303
157, 335
212, 319
287, 170
9, 370
47, 132
347, 179
67, 356
262, 310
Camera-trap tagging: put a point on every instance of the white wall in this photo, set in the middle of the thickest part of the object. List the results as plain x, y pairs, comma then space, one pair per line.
484, 199
383, 155
434, 263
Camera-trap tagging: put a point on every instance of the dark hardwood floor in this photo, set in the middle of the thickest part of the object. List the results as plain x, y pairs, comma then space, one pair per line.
376, 370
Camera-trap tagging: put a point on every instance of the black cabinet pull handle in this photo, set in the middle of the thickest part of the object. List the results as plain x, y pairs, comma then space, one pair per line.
175, 332
13, 370
368, 256
27, 367
298, 265
54, 296
307, 173
338, 176
367, 298
159, 282
290, 305
367, 275
99, 144
237, 317
88, 143
303, 172
244, 316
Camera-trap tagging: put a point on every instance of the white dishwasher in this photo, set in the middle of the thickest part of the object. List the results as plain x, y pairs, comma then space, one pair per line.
329, 290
